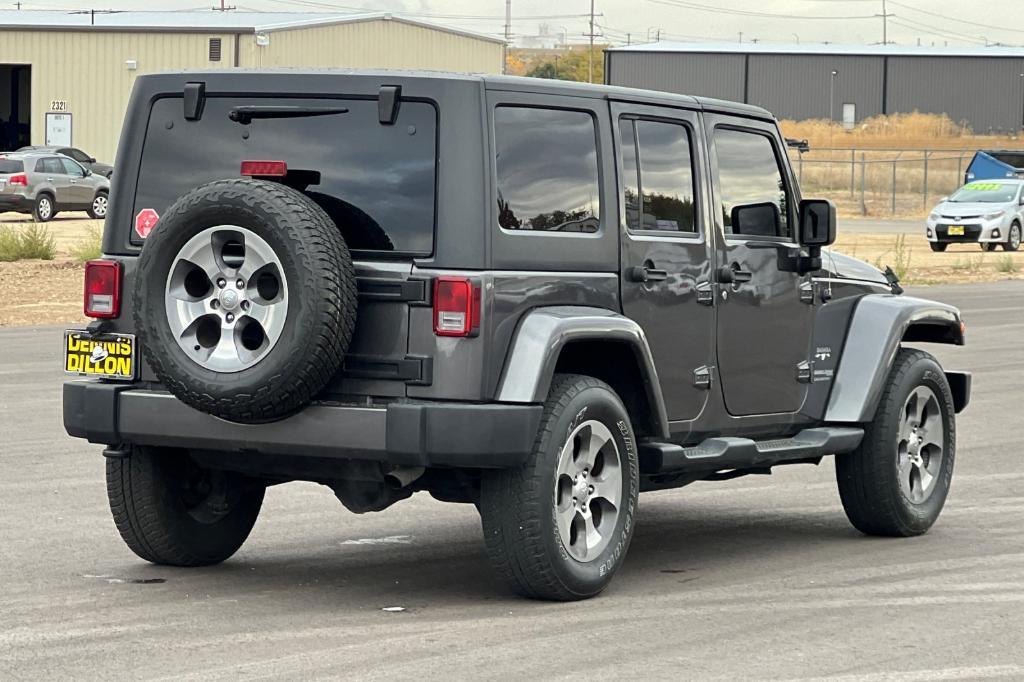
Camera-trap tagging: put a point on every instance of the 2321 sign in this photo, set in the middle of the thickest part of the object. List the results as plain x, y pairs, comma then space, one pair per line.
58, 105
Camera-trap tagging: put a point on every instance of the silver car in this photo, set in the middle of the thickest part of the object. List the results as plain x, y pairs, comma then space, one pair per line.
43, 183
989, 212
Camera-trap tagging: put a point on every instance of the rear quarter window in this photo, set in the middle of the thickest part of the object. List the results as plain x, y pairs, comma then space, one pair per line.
11, 166
547, 169
376, 181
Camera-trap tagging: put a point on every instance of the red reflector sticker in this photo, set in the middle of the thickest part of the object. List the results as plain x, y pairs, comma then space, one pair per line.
146, 221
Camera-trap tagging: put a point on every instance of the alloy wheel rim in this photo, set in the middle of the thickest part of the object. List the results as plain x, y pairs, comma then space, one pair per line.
1015, 236
588, 490
99, 206
226, 298
45, 208
921, 445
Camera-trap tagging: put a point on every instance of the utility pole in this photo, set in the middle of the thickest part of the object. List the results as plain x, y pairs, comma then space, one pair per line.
628, 36
885, 23
18, 5
741, 36
590, 62
508, 34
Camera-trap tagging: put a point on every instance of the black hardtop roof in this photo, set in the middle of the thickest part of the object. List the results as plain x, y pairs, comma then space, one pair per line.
496, 82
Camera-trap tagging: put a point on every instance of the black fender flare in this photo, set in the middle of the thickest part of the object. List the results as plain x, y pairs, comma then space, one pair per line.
880, 323
544, 332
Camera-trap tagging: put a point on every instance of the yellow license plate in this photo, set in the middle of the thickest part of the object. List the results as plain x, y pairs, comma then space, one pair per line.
107, 356
956, 230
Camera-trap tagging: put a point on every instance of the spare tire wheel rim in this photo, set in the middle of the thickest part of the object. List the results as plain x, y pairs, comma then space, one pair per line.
226, 298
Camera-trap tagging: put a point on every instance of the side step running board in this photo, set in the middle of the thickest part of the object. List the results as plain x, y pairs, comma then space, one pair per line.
716, 454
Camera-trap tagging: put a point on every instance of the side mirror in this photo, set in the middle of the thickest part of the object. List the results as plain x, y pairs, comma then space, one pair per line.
92, 159
817, 223
86, 172
756, 220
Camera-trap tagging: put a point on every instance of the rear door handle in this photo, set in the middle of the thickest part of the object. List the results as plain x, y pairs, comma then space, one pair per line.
731, 274
646, 273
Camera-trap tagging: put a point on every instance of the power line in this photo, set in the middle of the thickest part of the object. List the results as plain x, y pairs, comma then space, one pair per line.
954, 19
753, 13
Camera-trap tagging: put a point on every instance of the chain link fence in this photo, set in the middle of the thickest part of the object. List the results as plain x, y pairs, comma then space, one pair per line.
881, 182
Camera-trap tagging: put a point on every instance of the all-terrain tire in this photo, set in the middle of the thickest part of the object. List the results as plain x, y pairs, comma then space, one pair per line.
321, 308
156, 498
938, 247
869, 477
518, 506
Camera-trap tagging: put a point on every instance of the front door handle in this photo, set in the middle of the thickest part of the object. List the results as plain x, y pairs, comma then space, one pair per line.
646, 273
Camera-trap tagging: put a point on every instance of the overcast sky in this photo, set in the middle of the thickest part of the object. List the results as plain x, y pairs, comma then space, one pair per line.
956, 22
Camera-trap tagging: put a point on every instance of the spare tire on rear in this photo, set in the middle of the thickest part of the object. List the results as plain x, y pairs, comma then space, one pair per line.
245, 299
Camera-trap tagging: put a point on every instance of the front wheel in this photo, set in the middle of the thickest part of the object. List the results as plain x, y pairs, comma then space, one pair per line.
989, 246
1013, 240
895, 483
171, 511
938, 247
558, 528
98, 208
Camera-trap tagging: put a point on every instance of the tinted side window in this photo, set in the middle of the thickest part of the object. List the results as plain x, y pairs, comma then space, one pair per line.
51, 165
630, 173
666, 176
76, 154
547, 169
750, 180
72, 168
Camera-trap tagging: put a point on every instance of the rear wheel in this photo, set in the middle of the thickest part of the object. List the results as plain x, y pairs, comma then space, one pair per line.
938, 247
1013, 240
98, 208
43, 211
171, 511
896, 482
558, 528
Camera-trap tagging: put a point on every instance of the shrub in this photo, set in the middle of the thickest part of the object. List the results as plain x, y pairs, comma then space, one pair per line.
32, 242
89, 248
1006, 264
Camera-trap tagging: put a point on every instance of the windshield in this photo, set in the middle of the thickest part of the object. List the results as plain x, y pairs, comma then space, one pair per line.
11, 166
985, 193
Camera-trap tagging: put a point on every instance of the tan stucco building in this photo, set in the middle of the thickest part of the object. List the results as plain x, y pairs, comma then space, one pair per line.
65, 75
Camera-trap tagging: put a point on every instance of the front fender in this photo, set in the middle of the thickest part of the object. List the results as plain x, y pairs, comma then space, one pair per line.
544, 332
879, 323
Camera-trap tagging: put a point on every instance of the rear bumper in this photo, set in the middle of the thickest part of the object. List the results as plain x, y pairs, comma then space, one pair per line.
494, 435
15, 202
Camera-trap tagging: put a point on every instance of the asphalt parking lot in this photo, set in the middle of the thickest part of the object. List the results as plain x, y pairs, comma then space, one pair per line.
756, 578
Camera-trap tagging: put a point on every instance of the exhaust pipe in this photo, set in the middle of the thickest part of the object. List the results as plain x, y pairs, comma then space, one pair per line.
400, 477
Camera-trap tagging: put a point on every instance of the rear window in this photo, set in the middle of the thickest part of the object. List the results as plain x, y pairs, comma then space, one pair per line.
11, 166
376, 181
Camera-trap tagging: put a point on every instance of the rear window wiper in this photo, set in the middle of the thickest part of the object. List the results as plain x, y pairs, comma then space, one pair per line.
246, 114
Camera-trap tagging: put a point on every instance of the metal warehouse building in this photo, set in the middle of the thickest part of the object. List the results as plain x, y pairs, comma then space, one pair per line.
65, 77
982, 86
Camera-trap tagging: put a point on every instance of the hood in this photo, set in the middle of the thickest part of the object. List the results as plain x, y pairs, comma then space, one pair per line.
842, 266
970, 208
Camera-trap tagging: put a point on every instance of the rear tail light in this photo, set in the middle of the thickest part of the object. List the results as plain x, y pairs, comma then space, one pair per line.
18, 179
102, 288
264, 169
456, 306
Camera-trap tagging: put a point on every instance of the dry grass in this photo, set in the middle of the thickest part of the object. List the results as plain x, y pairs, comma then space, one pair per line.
841, 161
912, 256
901, 131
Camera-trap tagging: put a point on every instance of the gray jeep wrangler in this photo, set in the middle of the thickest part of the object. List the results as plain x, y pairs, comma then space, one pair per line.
541, 298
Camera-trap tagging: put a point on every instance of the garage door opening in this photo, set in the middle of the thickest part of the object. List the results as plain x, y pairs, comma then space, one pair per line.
15, 106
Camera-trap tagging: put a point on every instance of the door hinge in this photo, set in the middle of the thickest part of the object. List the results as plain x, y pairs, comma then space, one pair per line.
803, 372
807, 293
702, 376
705, 293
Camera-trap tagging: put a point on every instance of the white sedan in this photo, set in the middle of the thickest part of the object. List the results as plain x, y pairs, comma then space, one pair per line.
989, 212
